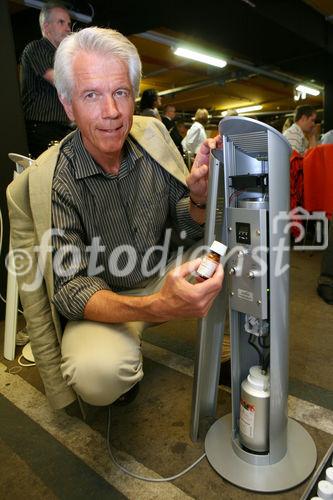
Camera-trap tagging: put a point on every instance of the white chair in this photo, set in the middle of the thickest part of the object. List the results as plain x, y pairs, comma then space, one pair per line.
21, 163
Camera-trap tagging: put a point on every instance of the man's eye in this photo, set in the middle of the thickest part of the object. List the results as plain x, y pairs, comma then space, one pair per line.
122, 93
91, 95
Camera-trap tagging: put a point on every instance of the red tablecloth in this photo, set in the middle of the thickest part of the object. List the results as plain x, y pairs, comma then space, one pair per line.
296, 180
318, 179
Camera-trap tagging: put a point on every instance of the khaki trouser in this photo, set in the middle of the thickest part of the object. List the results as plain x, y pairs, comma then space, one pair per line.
102, 361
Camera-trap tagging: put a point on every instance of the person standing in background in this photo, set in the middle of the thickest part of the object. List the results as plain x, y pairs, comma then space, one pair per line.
169, 116
196, 134
149, 103
325, 281
327, 138
44, 115
177, 133
302, 134
287, 124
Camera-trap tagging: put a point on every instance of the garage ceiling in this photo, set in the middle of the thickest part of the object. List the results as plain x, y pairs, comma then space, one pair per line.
269, 45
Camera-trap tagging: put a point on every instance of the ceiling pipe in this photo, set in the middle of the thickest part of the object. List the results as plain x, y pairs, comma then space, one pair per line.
165, 70
226, 78
183, 88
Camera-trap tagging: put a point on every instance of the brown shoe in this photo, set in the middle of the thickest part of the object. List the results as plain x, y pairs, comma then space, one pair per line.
326, 293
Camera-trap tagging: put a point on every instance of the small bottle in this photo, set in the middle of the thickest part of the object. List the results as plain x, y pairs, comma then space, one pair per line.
325, 490
210, 261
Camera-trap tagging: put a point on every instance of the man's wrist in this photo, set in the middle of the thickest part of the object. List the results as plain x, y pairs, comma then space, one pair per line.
196, 204
157, 308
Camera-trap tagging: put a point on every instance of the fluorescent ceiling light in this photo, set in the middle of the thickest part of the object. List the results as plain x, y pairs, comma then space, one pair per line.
248, 109
307, 90
198, 56
77, 16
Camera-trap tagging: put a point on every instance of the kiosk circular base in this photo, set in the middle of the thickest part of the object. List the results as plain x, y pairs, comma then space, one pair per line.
293, 469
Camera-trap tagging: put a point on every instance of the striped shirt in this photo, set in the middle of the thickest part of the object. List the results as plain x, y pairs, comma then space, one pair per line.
296, 138
111, 222
39, 97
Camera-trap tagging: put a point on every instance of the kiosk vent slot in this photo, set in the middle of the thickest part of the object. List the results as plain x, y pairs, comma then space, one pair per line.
253, 143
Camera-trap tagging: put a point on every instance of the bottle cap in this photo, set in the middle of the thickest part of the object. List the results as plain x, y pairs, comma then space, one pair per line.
219, 248
325, 490
258, 379
329, 474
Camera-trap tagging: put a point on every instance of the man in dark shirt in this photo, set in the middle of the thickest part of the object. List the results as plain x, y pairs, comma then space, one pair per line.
169, 116
177, 133
112, 203
45, 118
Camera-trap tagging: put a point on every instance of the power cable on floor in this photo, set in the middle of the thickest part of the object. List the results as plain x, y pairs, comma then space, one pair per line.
137, 476
22, 363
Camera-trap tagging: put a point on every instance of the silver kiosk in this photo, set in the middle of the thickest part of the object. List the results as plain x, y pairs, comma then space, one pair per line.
257, 446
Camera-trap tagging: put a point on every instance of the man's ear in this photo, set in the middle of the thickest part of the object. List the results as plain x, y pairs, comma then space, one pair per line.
68, 107
46, 28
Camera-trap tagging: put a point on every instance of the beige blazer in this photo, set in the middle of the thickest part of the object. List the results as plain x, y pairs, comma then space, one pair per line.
29, 204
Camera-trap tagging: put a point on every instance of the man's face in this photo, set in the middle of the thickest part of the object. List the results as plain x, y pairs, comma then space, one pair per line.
308, 123
171, 113
182, 129
58, 27
102, 103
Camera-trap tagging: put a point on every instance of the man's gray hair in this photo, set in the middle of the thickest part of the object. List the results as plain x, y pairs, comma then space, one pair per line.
46, 13
103, 41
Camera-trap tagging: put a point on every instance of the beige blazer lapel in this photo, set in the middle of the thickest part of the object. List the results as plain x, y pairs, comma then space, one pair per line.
155, 139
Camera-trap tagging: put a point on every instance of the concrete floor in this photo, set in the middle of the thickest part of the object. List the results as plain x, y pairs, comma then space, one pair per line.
49, 455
